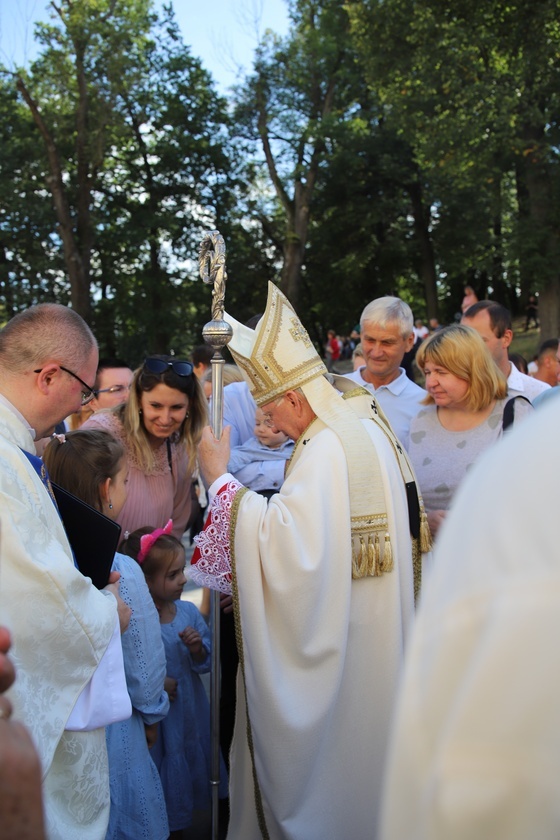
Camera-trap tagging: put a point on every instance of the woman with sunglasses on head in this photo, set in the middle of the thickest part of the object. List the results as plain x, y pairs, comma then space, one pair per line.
159, 427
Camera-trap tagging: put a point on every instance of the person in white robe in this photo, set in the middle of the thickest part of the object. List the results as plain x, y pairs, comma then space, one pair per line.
476, 746
323, 591
66, 634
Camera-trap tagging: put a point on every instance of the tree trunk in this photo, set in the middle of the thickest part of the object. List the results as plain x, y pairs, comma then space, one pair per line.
77, 272
427, 260
526, 281
297, 210
294, 245
539, 181
549, 311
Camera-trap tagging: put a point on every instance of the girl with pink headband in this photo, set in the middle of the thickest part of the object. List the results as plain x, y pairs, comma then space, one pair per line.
182, 750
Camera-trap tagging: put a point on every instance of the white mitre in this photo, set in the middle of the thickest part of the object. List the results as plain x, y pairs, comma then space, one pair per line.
278, 355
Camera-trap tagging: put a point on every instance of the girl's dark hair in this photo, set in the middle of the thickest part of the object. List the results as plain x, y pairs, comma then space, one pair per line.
160, 554
86, 459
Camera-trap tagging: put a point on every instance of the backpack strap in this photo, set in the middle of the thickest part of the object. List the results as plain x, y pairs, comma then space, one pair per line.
508, 416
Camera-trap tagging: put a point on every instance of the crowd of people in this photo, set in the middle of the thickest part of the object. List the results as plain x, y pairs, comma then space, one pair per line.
346, 642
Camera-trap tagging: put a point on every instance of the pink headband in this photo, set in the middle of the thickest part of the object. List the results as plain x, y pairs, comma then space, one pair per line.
147, 541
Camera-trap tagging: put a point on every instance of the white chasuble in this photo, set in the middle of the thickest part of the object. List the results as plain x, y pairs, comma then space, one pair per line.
320, 653
61, 626
475, 752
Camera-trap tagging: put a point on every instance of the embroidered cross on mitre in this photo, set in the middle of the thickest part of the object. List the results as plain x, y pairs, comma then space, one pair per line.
298, 333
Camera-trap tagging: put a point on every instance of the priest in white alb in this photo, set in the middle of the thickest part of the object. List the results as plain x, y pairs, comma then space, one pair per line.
323, 578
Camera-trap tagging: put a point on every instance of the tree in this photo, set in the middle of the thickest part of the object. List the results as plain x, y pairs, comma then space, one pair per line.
475, 90
70, 92
287, 105
152, 169
170, 171
31, 268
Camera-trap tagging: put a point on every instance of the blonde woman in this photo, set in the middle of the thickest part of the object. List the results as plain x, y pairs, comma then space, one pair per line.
159, 426
464, 414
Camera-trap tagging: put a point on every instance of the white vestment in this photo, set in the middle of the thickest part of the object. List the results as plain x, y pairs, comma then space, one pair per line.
61, 626
476, 749
320, 653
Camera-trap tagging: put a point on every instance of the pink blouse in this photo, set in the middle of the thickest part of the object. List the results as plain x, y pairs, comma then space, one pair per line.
153, 497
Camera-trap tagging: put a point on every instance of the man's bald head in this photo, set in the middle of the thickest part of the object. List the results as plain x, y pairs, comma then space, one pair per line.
43, 333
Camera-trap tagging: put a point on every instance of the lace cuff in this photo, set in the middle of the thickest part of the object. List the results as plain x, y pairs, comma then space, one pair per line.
211, 560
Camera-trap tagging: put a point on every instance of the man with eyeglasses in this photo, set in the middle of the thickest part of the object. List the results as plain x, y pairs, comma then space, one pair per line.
66, 634
112, 383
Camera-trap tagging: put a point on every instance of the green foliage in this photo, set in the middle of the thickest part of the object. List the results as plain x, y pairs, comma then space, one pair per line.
31, 267
380, 147
474, 88
158, 169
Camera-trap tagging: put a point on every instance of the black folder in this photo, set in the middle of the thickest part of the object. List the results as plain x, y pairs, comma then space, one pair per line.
93, 537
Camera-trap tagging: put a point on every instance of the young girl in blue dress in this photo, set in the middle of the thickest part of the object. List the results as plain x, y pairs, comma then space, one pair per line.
92, 465
182, 750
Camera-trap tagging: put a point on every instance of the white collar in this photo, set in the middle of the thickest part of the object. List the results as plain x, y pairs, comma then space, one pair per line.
11, 407
396, 385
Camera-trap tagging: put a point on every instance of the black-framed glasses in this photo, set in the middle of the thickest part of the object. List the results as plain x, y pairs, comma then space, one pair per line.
114, 389
87, 395
181, 368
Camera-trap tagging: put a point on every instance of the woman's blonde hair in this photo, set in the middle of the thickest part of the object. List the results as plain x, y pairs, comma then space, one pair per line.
130, 412
461, 351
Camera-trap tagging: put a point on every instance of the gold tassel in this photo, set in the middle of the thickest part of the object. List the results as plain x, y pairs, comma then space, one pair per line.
387, 564
360, 566
356, 559
363, 558
371, 557
425, 533
377, 551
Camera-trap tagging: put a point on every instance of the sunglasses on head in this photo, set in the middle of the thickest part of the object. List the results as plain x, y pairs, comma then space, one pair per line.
181, 368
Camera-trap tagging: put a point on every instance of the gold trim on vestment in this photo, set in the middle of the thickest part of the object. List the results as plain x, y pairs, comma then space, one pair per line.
423, 543
239, 642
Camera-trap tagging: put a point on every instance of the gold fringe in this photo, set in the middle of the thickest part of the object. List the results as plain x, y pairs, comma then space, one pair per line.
241, 650
371, 558
387, 564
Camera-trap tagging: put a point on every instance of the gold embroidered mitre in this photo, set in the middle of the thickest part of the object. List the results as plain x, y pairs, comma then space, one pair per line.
278, 355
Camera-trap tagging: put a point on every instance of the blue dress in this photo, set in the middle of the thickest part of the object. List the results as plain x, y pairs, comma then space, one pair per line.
138, 809
182, 751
